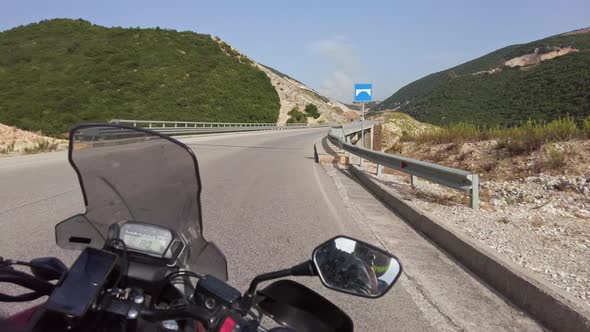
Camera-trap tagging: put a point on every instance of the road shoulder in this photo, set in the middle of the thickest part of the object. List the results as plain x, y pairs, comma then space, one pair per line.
449, 296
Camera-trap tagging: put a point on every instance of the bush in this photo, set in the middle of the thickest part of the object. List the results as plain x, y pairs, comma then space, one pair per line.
555, 158
296, 116
312, 110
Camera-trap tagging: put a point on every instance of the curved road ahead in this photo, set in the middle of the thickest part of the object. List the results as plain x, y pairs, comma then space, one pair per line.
267, 205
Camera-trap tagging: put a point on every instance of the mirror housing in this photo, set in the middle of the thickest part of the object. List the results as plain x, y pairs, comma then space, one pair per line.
354, 267
48, 268
77, 233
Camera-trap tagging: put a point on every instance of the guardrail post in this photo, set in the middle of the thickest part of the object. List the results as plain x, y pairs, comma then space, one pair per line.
413, 181
379, 170
475, 191
150, 124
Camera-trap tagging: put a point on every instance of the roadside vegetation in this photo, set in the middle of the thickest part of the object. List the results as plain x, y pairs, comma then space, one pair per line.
58, 72
517, 140
312, 111
42, 145
296, 116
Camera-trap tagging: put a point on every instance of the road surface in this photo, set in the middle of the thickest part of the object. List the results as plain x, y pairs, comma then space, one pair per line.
266, 204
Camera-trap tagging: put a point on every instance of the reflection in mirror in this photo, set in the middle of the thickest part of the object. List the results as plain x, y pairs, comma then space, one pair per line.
355, 267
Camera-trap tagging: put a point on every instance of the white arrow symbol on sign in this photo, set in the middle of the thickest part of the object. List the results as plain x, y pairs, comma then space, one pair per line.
359, 91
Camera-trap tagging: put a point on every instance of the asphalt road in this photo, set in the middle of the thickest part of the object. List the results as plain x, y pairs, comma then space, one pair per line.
266, 204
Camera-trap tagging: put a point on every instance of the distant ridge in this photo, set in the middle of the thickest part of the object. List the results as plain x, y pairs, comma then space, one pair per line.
540, 80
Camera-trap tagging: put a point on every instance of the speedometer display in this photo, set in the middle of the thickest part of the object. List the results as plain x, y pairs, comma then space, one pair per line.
146, 238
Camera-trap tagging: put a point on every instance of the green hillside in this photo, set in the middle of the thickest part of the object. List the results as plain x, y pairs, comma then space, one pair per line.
59, 72
545, 91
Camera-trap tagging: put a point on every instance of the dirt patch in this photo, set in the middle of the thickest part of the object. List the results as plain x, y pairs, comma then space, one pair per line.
538, 57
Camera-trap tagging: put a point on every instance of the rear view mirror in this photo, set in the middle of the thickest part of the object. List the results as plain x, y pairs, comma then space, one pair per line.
354, 267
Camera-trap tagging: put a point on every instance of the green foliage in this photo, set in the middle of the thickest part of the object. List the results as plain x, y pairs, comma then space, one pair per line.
297, 116
56, 73
544, 92
312, 110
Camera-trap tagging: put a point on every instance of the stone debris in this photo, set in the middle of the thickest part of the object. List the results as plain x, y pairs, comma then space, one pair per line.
540, 222
14, 141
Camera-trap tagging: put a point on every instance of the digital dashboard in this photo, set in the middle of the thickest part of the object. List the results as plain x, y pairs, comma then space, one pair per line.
146, 238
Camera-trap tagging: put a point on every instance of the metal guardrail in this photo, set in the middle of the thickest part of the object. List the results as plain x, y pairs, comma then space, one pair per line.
188, 128
446, 176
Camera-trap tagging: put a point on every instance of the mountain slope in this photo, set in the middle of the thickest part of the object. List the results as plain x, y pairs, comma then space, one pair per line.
294, 94
541, 80
58, 72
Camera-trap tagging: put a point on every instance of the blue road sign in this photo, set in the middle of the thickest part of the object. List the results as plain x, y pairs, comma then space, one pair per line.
363, 92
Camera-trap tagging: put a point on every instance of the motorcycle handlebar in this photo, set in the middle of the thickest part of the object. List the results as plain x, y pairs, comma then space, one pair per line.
39, 287
210, 321
190, 311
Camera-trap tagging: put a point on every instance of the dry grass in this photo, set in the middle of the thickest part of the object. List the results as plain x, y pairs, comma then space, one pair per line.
42, 145
555, 158
7, 149
395, 148
524, 139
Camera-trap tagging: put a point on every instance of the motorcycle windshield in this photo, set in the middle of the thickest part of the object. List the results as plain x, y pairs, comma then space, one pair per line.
129, 174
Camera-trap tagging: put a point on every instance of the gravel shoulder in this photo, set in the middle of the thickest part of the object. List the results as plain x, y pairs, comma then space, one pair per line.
540, 222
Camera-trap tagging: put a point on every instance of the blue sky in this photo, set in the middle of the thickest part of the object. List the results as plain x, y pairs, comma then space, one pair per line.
329, 45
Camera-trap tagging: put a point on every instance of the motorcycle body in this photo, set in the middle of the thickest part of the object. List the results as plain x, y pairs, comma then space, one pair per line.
145, 265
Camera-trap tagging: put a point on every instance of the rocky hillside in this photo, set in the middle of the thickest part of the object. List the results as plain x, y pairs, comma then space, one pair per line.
294, 94
395, 125
542, 80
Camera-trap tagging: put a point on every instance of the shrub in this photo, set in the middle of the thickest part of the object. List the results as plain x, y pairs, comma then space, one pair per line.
296, 116
555, 158
312, 110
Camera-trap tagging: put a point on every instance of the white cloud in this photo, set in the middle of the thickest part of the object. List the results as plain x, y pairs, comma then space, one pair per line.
338, 86
342, 57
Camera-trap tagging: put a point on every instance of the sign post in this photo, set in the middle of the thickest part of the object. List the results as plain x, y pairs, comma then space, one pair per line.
363, 93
